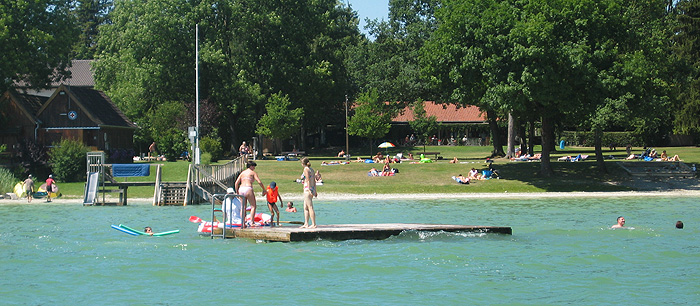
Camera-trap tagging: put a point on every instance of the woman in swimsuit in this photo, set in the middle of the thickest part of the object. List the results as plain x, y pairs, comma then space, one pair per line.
309, 194
244, 185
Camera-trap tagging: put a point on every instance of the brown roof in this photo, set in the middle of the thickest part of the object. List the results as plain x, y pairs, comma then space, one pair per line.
81, 75
29, 104
101, 107
445, 113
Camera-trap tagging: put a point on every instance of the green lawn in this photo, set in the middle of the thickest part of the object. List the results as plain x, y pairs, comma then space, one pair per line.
428, 178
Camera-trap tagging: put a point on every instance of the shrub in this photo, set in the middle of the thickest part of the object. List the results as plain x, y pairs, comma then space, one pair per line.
33, 158
7, 181
67, 160
205, 159
212, 146
172, 143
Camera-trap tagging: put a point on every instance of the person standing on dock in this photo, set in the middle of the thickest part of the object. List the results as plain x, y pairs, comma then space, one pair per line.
272, 196
244, 185
309, 194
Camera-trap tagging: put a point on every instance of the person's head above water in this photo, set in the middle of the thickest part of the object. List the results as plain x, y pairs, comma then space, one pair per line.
148, 230
621, 221
679, 224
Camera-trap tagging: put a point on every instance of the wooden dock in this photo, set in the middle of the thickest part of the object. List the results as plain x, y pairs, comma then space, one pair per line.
351, 231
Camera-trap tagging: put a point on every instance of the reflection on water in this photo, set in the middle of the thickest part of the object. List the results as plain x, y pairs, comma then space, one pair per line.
561, 252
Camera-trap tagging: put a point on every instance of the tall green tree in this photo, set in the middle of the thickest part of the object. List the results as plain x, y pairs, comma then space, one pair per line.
249, 50
36, 37
89, 15
687, 49
422, 124
371, 118
568, 61
280, 122
390, 63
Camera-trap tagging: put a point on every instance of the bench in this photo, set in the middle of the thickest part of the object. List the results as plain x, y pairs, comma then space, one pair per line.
431, 153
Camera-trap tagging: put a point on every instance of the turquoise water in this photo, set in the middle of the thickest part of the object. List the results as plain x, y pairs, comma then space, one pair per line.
561, 252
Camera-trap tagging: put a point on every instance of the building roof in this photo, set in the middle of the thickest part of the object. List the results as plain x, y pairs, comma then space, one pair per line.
445, 113
81, 74
29, 104
97, 105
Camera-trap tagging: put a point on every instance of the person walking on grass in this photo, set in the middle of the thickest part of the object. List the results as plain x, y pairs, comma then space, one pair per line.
309, 194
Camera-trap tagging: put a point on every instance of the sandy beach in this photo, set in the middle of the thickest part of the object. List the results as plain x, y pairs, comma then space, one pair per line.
392, 196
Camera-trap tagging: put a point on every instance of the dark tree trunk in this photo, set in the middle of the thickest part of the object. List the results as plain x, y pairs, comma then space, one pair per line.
547, 132
511, 136
522, 135
495, 135
600, 160
531, 147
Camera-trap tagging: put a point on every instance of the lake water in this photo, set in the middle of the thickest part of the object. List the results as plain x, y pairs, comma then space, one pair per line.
561, 252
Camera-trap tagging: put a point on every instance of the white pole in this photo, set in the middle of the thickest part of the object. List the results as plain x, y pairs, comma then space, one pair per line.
196, 140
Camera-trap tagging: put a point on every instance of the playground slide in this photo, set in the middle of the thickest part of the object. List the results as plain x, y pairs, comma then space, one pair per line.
91, 188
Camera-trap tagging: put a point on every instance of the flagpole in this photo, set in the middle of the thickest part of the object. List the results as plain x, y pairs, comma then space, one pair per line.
196, 65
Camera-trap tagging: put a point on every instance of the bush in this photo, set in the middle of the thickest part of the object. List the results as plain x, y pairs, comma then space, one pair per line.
212, 146
172, 143
67, 160
205, 159
7, 181
33, 158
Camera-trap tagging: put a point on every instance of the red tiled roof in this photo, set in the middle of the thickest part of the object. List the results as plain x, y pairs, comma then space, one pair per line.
445, 113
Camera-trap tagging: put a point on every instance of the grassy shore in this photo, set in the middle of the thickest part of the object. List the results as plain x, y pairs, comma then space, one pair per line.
433, 178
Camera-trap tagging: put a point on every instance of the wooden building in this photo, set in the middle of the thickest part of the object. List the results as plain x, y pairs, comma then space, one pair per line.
18, 117
70, 109
87, 115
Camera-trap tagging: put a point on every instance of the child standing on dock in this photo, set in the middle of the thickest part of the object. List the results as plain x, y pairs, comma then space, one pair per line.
272, 197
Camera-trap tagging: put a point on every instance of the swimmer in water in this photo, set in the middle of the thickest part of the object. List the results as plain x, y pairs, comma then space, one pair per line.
620, 222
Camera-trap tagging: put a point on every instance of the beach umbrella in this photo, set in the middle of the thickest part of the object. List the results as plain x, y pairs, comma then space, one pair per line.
386, 145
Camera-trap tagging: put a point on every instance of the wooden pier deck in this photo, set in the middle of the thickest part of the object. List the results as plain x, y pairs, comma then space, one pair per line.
351, 231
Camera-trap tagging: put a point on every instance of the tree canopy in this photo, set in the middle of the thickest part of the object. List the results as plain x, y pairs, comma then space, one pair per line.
36, 37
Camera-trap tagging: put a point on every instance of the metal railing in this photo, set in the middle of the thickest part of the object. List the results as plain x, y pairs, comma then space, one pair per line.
214, 179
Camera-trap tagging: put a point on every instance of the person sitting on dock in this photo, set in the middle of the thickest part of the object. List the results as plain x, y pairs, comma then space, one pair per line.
148, 230
272, 197
244, 185
290, 207
620, 222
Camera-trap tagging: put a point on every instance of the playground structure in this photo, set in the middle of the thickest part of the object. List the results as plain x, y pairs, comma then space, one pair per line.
203, 181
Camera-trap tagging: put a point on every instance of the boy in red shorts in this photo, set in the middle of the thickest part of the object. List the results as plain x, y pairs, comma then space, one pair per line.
272, 198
